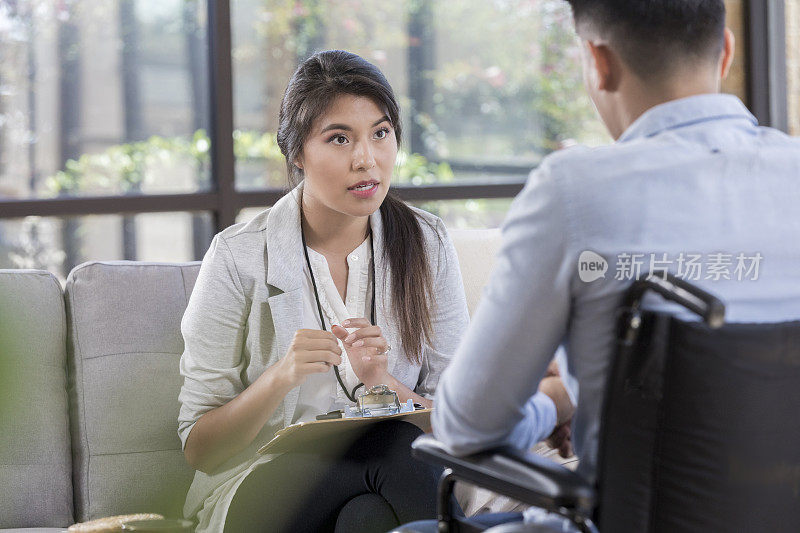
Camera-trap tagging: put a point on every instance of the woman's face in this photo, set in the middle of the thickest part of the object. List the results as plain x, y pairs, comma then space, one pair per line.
349, 155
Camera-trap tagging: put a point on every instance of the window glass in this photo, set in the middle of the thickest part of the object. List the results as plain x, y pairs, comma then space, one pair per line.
469, 214
58, 244
103, 98
248, 213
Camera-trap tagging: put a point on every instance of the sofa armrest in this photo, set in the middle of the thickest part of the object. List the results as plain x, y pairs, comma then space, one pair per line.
526, 477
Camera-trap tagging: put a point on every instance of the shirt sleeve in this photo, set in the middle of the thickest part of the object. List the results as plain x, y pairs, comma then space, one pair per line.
213, 329
537, 423
485, 396
449, 319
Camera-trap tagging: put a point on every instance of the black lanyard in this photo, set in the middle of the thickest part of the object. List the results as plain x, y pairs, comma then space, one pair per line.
350, 395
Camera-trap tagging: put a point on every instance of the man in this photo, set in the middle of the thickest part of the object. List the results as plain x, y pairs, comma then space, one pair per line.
691, 181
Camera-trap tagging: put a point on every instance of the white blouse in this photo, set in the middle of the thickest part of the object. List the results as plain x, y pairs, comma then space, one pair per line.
321, 392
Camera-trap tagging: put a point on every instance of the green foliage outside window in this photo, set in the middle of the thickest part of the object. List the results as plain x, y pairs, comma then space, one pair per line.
125, 168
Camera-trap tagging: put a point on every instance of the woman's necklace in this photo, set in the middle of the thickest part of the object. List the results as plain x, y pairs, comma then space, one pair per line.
352, 394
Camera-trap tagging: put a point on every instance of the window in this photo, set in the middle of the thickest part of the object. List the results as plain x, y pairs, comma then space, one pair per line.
102, 99
108, 108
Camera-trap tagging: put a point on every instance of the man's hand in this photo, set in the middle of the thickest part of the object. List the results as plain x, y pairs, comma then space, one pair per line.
552, 369
554, 388
561, 439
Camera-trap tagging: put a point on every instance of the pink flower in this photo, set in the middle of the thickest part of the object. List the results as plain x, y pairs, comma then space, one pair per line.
379, 56
495, 76
299, 10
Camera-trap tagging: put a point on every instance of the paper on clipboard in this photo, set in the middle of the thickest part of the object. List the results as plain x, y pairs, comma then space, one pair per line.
292, 437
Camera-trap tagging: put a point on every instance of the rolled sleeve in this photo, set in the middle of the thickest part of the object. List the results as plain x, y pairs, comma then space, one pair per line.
213, 329
537, 423
486, 392
449, 319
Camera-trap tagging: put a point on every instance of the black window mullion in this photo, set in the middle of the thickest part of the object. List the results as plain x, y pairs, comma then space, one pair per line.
130, 67
766, 62
443, 191
221, 112
70, 110
460, 191
196, 58
421, 61
108, 205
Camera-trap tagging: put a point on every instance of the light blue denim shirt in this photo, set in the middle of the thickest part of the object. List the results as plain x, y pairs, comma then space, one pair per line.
694, 186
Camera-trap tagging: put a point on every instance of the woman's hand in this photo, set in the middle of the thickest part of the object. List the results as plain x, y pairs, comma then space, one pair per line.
222, 432
366, 349
311, 351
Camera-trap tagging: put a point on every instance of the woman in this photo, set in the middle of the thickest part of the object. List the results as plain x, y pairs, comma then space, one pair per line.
265, 326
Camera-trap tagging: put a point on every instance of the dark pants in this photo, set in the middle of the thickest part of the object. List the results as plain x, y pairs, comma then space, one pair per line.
368, 484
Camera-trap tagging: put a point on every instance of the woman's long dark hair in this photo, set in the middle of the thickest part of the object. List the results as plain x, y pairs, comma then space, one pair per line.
313, 87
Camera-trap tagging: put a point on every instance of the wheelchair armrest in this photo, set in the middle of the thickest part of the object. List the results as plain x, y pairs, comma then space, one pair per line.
526, 477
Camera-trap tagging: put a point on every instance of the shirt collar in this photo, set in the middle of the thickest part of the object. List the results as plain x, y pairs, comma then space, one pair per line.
685, 112
284, 248
358, 254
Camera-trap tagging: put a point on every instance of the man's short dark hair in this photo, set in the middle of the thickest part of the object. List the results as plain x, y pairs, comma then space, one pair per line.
654, 37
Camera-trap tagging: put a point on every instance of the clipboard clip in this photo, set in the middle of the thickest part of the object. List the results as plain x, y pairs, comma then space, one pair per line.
378, 401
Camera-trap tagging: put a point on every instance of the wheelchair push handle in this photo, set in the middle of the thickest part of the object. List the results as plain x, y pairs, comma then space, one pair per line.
706, 305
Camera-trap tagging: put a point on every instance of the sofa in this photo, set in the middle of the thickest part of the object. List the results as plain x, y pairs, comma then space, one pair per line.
89, 387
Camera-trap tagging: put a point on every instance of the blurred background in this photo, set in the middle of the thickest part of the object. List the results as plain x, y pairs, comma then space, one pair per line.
137, 129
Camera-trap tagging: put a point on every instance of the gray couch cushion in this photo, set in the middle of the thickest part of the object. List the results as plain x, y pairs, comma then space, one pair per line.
35, 463
124, 348
476, 249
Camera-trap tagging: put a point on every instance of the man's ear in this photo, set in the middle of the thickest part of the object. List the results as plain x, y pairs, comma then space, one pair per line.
605, 67
728, 51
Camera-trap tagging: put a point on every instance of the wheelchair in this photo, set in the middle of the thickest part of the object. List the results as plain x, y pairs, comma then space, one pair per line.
700, 431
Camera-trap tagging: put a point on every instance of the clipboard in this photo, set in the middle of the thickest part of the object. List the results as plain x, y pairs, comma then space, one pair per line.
295, 436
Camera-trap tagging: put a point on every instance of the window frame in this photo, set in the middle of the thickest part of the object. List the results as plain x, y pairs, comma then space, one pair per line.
765, 32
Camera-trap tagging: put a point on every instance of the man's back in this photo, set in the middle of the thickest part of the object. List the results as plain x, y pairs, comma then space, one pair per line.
693, 186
